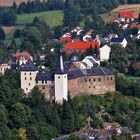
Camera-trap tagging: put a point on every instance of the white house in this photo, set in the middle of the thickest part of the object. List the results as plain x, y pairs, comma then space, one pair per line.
104, 53
119, 40
138, 35
3, 67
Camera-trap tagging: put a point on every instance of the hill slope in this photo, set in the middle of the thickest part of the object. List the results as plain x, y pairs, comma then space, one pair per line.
52, 18
107, 17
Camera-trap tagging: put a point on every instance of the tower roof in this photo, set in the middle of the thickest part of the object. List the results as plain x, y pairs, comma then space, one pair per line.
60, 65
29, 66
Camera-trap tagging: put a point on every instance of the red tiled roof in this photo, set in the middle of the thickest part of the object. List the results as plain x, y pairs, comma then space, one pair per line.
24, 54
81, 45
63, 39
126, 14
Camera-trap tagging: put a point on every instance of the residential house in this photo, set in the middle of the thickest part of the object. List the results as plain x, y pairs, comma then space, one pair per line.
104, 53
3, 67
126, 16
119, 40
91, 62
79, 46
22, 58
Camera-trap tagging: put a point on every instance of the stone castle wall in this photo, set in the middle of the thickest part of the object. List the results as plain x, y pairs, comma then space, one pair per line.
91, 85
87, 85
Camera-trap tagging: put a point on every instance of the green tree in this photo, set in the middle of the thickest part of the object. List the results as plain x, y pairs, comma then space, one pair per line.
67, 119
19, 115
2, 34
118, 57
71, 14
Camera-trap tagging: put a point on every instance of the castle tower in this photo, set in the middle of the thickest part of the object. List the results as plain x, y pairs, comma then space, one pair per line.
28, 76
61, 83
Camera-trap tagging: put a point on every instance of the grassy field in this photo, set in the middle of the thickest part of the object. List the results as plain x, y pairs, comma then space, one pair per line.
52, 18
107, 17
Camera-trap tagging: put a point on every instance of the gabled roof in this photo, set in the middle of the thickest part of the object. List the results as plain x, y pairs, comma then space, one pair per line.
81, 45
117, 39
46, 76
29, 66
97, 71
23, 54
126, 14
105, 35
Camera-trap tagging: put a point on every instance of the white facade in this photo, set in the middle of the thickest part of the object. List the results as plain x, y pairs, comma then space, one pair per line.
4, 67
104, 53
124, 43
28, 80
61, 87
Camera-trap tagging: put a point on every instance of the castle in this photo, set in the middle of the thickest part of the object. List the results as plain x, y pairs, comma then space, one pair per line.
57, 86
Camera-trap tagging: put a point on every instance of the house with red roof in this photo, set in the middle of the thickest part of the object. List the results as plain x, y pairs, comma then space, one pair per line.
126, 16
65, 38
22, 58
79, 46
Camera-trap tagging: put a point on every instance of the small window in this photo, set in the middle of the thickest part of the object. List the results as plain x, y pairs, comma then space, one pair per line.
111, 78
85, 80
29, 84
25, 73
46, 81
26, 88
30, 73
37, 82
58, 77
94, 87
89, 86
25, 78
89, 80
94, 79
99, 79
30, 78
107, 78
42, 82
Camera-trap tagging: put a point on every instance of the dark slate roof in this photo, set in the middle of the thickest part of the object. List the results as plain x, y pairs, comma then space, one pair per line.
67, 65
117, 39
105, 35
98, 71
3, 62
46, 76
29, 66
